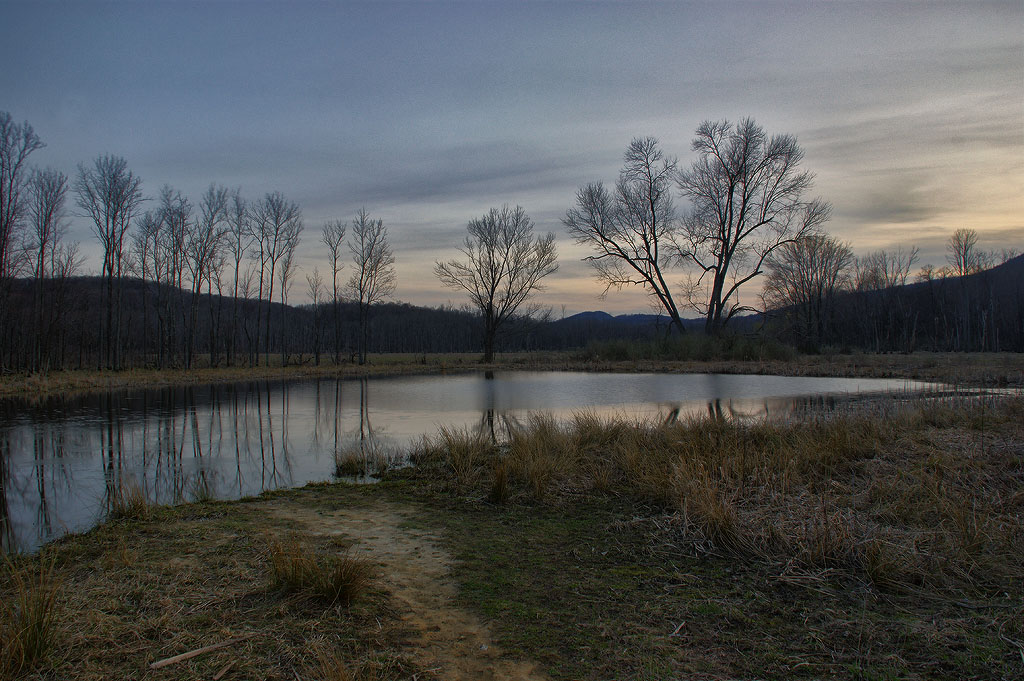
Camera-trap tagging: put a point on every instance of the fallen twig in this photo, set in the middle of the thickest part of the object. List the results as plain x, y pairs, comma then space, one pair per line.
198, 651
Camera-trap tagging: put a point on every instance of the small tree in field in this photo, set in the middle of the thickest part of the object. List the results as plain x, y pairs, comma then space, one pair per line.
503, 268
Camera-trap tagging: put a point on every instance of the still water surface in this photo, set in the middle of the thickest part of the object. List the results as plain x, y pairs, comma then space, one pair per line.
62, 459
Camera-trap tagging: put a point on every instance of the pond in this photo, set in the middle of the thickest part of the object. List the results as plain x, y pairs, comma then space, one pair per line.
62, 460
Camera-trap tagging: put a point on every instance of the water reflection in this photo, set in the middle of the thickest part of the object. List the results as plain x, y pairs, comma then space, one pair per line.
65, 462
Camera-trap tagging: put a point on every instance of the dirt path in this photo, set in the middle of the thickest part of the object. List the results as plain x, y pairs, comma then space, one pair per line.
451, 642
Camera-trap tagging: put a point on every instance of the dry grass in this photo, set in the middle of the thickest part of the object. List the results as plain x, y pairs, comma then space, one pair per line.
27, 615
328, 665
896, 495
366, 459
134, 592
128, 501
332, 578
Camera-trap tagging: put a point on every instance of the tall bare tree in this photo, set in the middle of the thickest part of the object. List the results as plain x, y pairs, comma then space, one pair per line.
374, 277
146, 261
110, 195
201, 244
175, 218
631, 229
276, 225
333, 236
47, 190
315, 291
747, 198
239, 239
503, 267
17, 142
286, 274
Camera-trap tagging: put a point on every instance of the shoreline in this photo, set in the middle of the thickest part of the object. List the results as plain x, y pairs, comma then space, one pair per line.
969, 370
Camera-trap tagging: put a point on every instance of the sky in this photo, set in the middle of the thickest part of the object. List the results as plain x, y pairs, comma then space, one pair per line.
427, 114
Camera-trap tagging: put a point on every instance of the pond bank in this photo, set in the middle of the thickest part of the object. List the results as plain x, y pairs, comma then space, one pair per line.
975, 370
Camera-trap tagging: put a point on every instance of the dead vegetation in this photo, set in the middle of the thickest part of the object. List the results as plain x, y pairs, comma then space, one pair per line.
194, 591
924, 495
27, 614
331, 577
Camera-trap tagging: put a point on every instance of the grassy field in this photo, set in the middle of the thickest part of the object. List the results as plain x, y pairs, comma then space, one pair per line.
883, 542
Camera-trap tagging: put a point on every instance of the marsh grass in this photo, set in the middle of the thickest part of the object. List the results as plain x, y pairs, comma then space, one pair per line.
898, 495
330, 577
27, 615
127, 500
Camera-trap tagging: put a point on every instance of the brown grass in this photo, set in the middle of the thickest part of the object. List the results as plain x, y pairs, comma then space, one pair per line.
333, 578
27, 615
128, 501
897, 495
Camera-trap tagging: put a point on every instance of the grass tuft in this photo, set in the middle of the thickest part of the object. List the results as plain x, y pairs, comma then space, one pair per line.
333, 578
128, 501
27, 617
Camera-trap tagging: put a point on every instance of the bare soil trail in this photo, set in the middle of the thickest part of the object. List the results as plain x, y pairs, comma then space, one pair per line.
449, 641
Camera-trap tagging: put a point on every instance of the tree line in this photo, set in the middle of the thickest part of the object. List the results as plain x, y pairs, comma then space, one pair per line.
225, 247
820, 294
214, 278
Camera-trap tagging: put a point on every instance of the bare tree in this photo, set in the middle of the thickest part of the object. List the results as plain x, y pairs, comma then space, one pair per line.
746, 192
963, 254
631, 230
47, 190
374, 277
145, 260
110, 194
332, 236
17, 142
201, 244
175, 217
315, 290
285, 273
504, 266
886, 314
276, 225
239, 240
881, 269
803, 278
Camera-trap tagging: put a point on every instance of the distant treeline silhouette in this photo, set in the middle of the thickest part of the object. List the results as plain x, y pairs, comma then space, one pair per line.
983, 311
